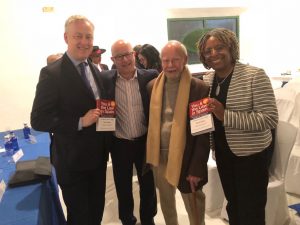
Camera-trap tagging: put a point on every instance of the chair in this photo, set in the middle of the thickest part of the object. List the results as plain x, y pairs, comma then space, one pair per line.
277, 207
285, 101
292, 179
288, 104
294, 84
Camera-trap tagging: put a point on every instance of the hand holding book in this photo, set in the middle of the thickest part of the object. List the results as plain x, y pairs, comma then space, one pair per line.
200, 117
216, 108
107, 118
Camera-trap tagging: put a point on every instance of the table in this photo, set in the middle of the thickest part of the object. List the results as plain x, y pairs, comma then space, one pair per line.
36, 204
283, 78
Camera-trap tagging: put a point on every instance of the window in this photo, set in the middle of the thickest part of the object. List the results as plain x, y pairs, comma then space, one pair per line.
189, 30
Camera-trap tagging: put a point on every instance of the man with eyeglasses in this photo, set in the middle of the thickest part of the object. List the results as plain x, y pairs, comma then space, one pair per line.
65, 106
127, 86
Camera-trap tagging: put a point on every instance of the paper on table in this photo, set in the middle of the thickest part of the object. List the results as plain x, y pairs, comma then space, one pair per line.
2, 189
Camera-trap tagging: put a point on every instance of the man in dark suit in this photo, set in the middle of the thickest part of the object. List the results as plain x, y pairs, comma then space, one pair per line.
96, 58
65, 106
127, 86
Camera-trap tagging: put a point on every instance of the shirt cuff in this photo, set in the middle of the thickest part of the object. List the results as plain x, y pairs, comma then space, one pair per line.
80, 124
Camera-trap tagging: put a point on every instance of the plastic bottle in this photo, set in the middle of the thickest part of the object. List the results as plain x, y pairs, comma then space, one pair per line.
26, 131
8, 146
14, 141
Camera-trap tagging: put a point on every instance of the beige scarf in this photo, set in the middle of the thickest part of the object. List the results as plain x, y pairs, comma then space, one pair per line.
178, 130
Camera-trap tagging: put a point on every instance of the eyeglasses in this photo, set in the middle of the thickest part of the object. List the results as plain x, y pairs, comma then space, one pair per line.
122, 56
79, 37
218, 49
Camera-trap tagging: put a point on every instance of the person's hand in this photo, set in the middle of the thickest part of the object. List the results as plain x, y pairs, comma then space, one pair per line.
217, 108
193, 182
90, 117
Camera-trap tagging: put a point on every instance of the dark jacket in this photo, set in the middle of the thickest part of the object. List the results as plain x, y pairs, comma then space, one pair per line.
103, 66
109, 78
61, 99
197, 148
144, 77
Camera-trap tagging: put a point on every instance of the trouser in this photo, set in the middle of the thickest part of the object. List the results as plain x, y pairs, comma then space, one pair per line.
194, 202
244, 180
125, 154
84, 197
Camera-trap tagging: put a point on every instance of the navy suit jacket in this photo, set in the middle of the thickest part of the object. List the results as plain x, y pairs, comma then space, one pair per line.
61, 99
144, 76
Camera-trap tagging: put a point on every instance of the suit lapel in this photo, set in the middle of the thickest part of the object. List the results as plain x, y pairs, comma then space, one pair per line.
113, 87
73, 76
96, 75
143, 92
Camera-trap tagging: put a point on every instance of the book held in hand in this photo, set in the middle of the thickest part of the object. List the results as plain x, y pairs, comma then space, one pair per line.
201, 119
107, 119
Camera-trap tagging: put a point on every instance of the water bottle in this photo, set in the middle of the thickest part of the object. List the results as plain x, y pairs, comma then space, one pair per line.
8, 146
14, 141
26, 131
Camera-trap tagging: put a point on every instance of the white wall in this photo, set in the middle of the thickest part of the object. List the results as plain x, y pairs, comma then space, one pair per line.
268, 35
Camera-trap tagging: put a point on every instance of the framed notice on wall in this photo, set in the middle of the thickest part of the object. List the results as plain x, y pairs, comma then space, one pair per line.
189, 30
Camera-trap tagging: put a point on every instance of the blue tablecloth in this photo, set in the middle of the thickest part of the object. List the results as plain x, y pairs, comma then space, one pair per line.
36, 204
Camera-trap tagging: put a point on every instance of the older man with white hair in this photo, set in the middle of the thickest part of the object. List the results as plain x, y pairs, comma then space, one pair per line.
179, 159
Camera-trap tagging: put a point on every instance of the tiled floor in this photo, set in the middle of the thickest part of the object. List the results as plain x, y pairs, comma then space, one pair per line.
110, 216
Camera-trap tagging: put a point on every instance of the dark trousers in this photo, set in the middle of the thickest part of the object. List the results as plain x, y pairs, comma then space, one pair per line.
84, 195
125, 154
244, 180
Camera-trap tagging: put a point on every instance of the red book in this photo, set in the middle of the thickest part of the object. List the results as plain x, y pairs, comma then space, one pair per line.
107, 107
199, 108
201, 120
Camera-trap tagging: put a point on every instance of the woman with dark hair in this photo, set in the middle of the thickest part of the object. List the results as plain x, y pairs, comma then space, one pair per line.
136, 49
244, 109
149, 57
